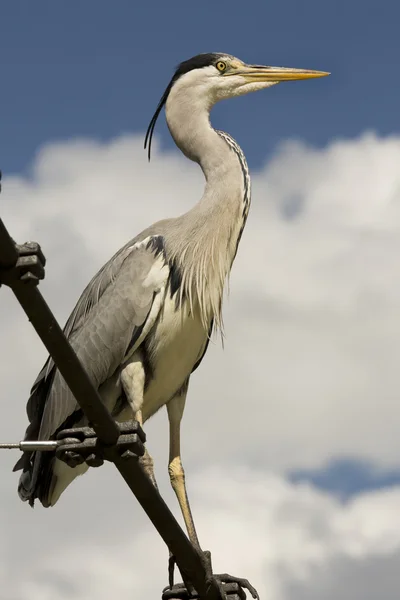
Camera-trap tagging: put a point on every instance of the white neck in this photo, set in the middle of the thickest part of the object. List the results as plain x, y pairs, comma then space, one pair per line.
188, 119
209, 232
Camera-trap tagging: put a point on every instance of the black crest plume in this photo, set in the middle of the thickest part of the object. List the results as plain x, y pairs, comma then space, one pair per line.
197, 62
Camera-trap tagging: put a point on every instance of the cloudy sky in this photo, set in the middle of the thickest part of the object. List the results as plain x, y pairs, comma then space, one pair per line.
306, 502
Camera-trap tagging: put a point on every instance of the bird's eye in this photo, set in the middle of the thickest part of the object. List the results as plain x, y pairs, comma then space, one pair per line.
221, 66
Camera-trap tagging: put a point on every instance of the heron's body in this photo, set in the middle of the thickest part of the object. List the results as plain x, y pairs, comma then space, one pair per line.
190, 258
142, 325
157, 369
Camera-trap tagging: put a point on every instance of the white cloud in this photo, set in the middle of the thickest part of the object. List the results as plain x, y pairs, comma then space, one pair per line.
280, 535
309, 370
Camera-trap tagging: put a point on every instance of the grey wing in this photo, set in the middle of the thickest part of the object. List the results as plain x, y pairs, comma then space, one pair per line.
110, 320
88, 299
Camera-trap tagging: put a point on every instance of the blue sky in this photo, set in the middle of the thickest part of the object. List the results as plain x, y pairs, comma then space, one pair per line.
70, 69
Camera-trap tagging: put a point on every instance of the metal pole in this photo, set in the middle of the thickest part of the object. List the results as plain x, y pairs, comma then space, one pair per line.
8, 253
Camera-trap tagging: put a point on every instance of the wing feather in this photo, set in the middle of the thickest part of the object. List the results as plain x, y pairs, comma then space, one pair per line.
106, 321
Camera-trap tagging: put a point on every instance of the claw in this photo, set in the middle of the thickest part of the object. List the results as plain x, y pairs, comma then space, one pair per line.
214, 582
243, 583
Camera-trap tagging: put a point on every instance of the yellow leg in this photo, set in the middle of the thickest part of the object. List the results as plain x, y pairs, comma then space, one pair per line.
176, 473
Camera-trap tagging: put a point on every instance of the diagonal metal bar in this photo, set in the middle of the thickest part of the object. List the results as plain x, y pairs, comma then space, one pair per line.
46, 326
8, 253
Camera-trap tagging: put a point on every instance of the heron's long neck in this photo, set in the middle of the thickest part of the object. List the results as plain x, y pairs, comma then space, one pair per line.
190, 127
211, 230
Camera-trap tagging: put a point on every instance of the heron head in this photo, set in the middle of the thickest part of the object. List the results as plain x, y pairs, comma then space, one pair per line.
208, 78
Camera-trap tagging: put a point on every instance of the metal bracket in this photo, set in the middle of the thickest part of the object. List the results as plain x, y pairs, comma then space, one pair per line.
233, 591
29, 267
81, 444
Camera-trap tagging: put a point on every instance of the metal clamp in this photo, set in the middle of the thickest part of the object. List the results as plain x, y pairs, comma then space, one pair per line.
81, 444
233, 591
29, 267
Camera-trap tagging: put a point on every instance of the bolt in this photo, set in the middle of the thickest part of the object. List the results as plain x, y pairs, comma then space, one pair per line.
73, 459
94, 460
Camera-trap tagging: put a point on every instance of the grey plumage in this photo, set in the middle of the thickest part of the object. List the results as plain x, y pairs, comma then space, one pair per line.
102, 339
143, 324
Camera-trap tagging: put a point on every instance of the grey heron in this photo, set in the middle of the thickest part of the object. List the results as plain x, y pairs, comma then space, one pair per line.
143, 323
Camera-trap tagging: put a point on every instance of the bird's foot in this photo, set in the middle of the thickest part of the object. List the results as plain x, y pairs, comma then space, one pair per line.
243, 584
225, 578
227, 585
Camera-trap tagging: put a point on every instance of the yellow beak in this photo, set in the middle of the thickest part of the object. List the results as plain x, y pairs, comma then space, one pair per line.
276, 74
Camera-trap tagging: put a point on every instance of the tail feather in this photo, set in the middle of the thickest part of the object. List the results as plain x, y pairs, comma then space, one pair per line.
53, 482
38, 478
25, 488
44, 476
31, 463
54, 479
21, 463
28, 487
